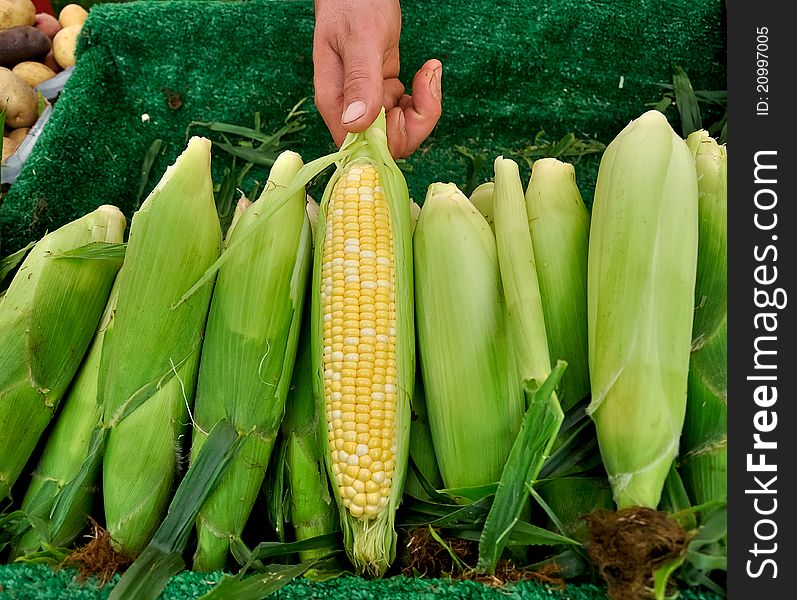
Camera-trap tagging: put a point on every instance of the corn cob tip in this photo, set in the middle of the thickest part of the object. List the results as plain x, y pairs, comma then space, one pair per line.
114, 223
552, 166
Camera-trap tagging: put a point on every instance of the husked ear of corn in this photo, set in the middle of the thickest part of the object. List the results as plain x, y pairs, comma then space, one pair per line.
248, 354
363, 342
525, 319
473, 396
66, 450
150, 357
640, 300
704, 445
47, 319
559, 224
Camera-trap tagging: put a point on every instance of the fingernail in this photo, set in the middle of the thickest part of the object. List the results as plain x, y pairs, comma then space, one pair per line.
435, 83
353, 111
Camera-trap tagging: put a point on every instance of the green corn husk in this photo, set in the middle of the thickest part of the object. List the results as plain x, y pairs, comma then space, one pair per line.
559, 224
248, 355
370, 543
240, 208
469, 381
571, 498
482, 198
641, 281
47, 319
421, 446
149, 360
66, 450
312, 508
704, 444
525, 319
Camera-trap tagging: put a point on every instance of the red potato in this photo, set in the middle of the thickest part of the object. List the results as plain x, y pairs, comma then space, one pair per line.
47, 24
50, 61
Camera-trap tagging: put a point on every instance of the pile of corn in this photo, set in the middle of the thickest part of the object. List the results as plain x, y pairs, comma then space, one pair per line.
302, 334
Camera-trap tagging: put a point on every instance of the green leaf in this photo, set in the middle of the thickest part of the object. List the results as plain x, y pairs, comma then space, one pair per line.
530, 450
266, 550
257, 587
162, 558
686, 102
522, 534
662, 576
95, 251
426, 485
675, 499
146, 167
305, 174
10, 262
473, 493
456, 560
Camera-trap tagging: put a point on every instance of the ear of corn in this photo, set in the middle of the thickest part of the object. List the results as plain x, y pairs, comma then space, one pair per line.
363, 341
149, 360
47, 319
421, 446
248, 355
642, 257
66, 450
312, 507
705, 439
482, 198
559, 224
525, 319
469, 380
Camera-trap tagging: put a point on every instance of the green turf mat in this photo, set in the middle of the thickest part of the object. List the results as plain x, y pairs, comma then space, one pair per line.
511, 69
39, 582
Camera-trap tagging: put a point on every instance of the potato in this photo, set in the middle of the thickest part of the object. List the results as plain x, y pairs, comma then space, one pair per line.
9, 147
33, 73
64, 44
18, 99
16, 12
72, 14
22, 43
47, 24
50, 61
18, 134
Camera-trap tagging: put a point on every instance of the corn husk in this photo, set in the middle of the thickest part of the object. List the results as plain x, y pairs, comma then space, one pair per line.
641, 278
47, 319
150, 357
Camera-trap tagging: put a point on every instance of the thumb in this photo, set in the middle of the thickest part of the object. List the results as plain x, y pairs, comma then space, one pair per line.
362, 85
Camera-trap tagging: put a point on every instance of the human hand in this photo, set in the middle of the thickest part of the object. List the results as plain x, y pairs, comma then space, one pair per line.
356, 60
